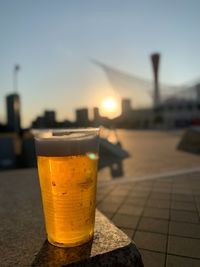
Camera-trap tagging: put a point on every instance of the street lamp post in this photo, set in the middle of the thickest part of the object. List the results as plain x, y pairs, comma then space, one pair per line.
15, 80
155, 58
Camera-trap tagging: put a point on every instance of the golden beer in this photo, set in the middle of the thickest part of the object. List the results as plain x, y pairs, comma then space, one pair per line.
68, 187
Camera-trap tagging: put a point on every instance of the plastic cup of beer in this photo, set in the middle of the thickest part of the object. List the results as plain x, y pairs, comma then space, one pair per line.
67, 166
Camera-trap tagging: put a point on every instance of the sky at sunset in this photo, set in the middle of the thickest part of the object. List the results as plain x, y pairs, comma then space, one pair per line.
54, 42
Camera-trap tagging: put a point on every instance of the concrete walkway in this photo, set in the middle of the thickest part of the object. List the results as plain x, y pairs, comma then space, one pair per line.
162, 216
151, 153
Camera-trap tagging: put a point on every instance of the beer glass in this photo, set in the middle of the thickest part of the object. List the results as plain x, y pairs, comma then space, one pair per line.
67, 166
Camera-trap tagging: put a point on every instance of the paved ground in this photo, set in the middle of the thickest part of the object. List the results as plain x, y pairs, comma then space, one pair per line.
162, 216
152, 153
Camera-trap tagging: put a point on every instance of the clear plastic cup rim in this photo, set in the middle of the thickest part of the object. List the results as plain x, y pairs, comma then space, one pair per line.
69, 133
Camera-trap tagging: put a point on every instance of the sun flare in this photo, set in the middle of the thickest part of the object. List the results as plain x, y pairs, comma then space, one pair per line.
109, 104
110, 107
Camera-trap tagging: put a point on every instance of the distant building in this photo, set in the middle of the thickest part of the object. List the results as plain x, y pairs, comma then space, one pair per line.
198, 92
96, 117
126, 106
180, 112
100, 120
13, 112
125, 120
49, 118
96, 114
171, 113
38, 122
82, 118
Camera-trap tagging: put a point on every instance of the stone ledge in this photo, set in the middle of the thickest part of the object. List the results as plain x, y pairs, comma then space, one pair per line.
110, 247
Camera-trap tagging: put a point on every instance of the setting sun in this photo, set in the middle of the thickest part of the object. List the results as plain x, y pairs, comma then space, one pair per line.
110, 107
109, 104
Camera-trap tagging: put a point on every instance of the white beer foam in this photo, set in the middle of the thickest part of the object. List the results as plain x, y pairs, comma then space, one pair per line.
60, 143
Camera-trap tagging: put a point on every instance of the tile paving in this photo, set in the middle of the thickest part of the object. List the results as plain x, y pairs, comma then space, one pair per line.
152, 259
127, 221
153, 225
162, 216
184, 216
156, 213
182, 246
176, 261
151, 241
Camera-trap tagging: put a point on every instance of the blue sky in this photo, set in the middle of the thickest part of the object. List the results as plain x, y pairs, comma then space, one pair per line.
54, 40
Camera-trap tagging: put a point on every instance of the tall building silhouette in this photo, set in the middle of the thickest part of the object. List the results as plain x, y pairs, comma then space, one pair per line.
126, 106
82, 117
96, 113
13, 112
50, 118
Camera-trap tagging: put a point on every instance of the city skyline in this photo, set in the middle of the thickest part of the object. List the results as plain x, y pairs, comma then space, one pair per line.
176, 111
84, 116
54, 41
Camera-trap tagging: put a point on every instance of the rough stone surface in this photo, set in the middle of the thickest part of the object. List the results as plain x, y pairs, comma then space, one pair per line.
21, 228
109, 247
